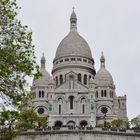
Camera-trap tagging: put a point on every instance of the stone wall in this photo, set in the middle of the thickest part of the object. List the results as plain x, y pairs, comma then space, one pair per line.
79, 134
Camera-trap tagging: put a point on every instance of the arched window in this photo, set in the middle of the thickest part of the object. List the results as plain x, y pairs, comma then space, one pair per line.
89, 77
102, 93
83, 108
50, 96
39, 94
56, 81
61, 79
59, 109
85, 79
83, 123
79, 77
71, 101
42, 93
58, 124
111, 94
96, 94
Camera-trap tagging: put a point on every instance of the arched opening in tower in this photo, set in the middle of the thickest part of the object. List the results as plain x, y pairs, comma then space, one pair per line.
58, 124
71, 124
83, 123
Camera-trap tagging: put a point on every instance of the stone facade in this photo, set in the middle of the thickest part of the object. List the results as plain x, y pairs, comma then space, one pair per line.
75, 94
95, 134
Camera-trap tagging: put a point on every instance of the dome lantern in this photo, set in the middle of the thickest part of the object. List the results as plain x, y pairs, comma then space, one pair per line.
102, 60
73, 51
43, 61
73, 21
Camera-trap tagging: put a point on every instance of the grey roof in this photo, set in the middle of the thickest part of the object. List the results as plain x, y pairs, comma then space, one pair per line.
45, 78
73, 44
103, 77
73, 15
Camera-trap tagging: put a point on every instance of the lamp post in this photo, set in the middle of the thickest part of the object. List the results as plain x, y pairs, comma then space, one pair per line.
104, 110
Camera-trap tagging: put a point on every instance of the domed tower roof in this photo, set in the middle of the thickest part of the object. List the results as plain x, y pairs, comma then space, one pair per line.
73, 43
45, 77
75, 47
103, 77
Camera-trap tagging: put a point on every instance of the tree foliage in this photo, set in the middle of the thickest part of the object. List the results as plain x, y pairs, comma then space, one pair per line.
117, 123
17, 58
135, 122
28, 119
12, 122
8, 122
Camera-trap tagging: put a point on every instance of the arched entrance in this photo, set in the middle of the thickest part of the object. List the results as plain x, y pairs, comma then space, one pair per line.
58, 124
71, 123
83, 123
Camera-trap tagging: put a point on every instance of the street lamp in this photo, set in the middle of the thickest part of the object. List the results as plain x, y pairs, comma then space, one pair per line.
104, 110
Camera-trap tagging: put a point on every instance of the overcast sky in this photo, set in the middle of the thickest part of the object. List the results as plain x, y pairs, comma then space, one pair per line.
111, 26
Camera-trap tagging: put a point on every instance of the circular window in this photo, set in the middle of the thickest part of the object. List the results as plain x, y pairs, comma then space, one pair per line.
41, 111
104, 110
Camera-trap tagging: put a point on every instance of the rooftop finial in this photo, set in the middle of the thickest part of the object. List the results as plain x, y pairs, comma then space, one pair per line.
102, 60
43, 61
73, 8
73, 21
102, 53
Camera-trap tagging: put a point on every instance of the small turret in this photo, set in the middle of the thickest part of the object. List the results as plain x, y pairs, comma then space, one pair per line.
102, 60
43, 61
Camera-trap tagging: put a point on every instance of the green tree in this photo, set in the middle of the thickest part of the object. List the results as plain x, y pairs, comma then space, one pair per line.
28, 119
119, 123
17, 58
8, 122
42, 122
26, 102
107, 124
135, 122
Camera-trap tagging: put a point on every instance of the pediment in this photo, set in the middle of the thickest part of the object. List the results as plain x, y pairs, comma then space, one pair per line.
71, 86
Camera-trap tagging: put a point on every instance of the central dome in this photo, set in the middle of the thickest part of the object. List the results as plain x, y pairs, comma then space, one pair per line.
73, 53
73, 44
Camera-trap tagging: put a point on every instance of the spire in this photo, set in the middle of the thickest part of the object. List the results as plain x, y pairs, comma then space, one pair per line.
43, 61
73, 21
102, 60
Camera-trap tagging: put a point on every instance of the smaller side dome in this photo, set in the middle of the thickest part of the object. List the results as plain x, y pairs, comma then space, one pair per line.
51, 82
103, 77
45, 77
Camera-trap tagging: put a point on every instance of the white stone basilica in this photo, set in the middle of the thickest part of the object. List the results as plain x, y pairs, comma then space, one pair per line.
75, 95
